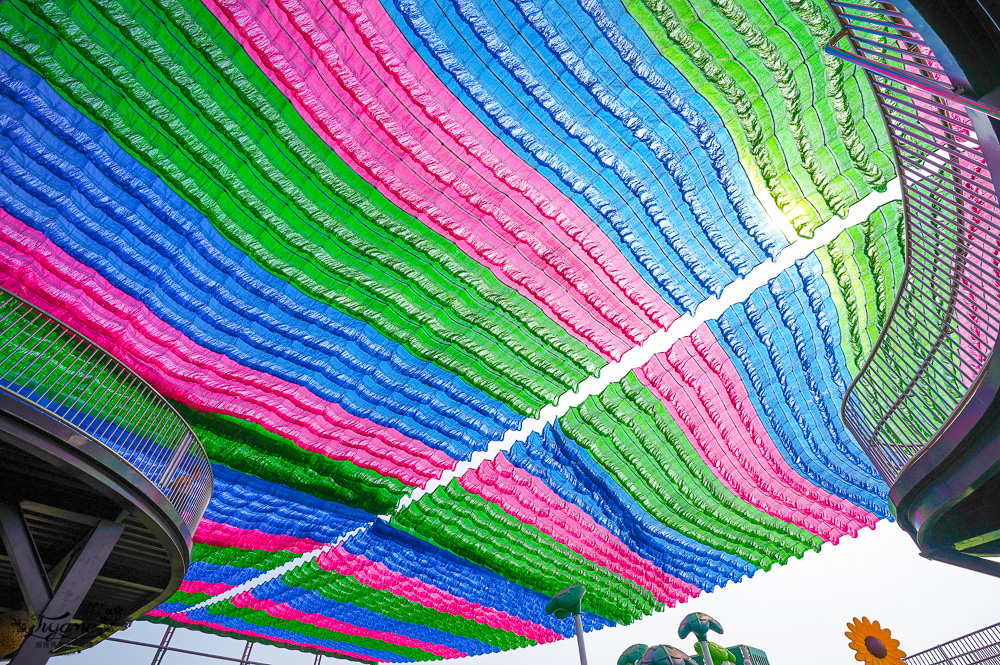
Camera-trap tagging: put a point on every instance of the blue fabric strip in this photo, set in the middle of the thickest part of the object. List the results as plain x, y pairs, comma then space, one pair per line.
107, 211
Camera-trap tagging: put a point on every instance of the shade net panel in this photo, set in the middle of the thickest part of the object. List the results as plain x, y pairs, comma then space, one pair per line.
662, 487
364, 247
804, 122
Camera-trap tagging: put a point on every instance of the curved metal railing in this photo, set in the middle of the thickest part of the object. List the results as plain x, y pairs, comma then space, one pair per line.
59, 371
939, 338
979, 648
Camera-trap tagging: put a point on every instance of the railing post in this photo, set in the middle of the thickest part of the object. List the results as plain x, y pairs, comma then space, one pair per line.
175, 461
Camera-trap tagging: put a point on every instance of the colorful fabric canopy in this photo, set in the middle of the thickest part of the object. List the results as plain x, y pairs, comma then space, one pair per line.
365, 247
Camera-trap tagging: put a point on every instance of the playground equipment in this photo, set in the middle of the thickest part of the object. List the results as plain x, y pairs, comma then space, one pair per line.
699, 625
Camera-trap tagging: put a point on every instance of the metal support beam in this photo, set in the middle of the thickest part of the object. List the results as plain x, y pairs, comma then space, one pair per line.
706, 653
52, 609
319, 657
164, 646
246, 653
187, 651
61, 513
28, 567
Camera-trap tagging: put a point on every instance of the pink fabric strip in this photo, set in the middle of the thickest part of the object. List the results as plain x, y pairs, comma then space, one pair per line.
706, 397
718, 361
378, 576
43, 274
180, 617
289, 613
226, 535
359, 84
528, 499
209, 588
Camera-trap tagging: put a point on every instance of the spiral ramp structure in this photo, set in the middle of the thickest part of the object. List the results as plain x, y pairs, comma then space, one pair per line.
924, 406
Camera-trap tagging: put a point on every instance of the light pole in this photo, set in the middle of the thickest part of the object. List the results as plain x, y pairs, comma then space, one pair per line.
566, 602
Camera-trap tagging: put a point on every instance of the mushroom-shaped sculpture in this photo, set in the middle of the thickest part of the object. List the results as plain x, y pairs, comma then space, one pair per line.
720, 654
567, 602
632, 655
699, 624
664, 654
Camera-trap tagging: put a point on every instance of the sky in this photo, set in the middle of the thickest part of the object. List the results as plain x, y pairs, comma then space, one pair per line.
797, 613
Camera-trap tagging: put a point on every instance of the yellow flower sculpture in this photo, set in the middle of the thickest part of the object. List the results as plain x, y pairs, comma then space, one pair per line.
873, 644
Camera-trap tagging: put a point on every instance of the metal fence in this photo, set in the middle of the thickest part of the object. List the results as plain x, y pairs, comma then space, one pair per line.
979, 648
939, 337
59, 371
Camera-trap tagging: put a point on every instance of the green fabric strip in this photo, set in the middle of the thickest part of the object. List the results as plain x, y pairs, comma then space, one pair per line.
864, 267
249, 448
805, 124
633, 437
482, 532
346, 589
184, 98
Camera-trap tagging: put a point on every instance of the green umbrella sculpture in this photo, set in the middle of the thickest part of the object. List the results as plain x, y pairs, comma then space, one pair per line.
699, 624
664, 654
632, 655
566, 602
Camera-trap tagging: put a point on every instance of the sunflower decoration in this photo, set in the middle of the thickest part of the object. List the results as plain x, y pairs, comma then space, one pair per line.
873, 644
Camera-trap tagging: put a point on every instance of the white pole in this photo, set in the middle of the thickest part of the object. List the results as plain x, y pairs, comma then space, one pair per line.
706, 655
579, 639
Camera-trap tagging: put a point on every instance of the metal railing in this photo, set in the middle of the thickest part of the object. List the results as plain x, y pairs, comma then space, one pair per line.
48, 364
940, 334
979, 648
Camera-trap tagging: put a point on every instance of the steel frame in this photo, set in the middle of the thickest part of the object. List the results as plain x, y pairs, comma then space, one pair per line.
56, 597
